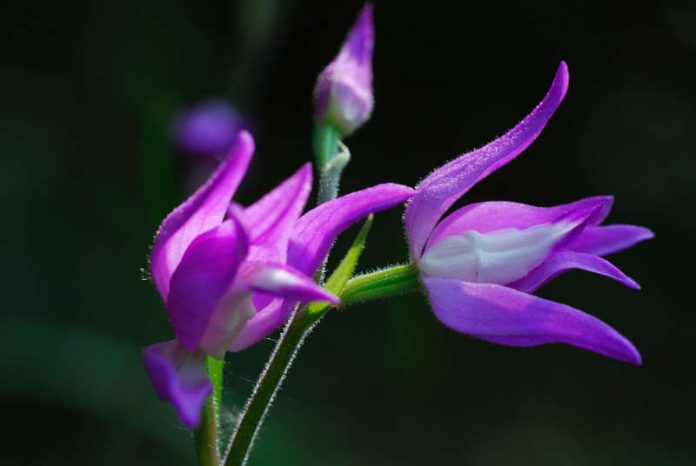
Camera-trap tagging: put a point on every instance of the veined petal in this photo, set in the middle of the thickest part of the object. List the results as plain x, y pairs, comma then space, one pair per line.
609, 239
270, 220
562, 261
204, 210
265, 322
203, 278
179, 378
285, 282
486, 217
439, 190
509, 317
316, 230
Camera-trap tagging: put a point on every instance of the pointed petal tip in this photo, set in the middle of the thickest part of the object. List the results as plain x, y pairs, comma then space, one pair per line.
367, 14
360, 40
621, 349
632, 284
646, 234
333, 299
306, 170
245, 137
631, 355
562, 76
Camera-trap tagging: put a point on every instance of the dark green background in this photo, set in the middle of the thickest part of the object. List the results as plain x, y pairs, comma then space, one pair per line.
86, 91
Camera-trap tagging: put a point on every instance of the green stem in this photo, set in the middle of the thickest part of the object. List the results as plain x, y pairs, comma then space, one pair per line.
325, 140
385, 283
330, 160
206, 436
267, 386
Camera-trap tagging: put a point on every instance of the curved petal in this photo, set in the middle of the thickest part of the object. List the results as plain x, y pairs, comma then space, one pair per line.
316, 230
285, 282
485, 217
204, 210
563, 261
265, 322
443, 187
509, 317
203, 278
179, 378
609, 239
270, 220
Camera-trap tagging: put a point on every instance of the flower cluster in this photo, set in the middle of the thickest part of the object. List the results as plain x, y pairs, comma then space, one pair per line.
230, 275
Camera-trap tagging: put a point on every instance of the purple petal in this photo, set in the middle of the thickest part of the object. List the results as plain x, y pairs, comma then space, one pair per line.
563, 261
204, 210
316, 230
270, 220
265, 322
609, 239
486, 217
509, 317
343, 93
203, 278
437, 192
286, 282
179, 378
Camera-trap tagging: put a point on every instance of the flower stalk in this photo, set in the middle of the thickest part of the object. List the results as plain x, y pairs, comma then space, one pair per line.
332, 157
206, 437
267, 386
381, 284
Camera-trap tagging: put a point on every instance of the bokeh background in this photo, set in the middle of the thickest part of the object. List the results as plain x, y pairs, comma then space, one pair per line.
87, 91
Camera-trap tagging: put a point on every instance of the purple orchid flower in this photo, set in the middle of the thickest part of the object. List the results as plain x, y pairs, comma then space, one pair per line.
480, 263
231, 275
343, 93
207, 129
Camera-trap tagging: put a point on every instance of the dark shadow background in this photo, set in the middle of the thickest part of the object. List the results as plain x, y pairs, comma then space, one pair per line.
86, 93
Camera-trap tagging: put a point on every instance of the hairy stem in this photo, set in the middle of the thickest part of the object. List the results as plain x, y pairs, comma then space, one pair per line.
267, 386
384, 283
331, 157
206, 436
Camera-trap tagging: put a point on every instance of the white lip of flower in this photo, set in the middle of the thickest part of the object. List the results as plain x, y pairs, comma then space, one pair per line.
227, 322
500, 257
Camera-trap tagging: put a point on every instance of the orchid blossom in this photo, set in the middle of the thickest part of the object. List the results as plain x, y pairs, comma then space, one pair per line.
231, 275
481, 263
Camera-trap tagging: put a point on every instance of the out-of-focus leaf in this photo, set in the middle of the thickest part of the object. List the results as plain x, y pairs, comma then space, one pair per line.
96, 373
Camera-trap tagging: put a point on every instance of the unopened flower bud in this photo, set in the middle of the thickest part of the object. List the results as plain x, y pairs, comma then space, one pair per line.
343, 92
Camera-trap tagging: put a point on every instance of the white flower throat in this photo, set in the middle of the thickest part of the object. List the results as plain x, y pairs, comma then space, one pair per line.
501, 256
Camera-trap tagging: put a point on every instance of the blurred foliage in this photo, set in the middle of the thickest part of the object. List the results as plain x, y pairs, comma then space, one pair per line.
87, 90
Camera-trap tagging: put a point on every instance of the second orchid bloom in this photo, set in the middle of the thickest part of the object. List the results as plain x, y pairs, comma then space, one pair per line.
480, 263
